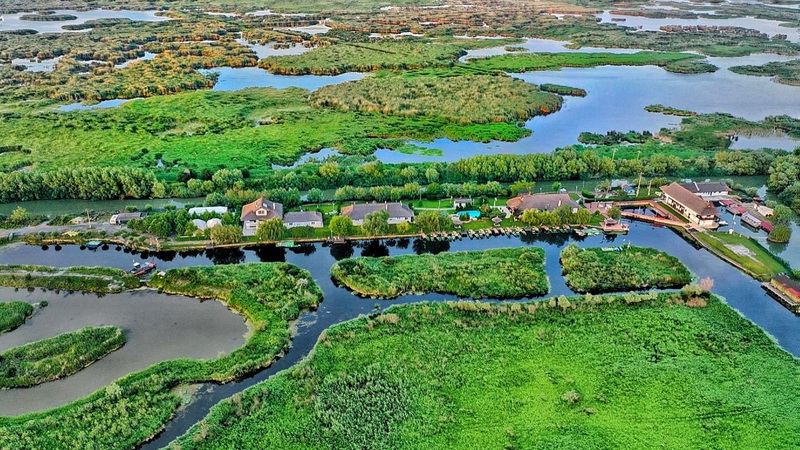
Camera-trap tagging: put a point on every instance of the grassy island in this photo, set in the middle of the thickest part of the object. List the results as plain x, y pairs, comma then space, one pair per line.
14, 314
268, 295
91, 279
785, 72
461, 99
57, 357
496, 273
632, 371
598, 270
672, 61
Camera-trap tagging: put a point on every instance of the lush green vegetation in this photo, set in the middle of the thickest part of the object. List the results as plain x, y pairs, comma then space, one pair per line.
786, 72
14, 314
496, 273
57, 357
135, 407
463, 99
563, 90
745, 252
590, 372
92, 279
554, 61
614, 137
668, 110
365, 57
597, 270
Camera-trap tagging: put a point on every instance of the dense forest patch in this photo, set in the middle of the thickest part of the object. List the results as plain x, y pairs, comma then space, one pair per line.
496, 273
57, 357
598, 270
627, 371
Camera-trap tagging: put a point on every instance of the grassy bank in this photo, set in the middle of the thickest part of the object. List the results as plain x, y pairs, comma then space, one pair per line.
599, 373
14, 314
785, 72
744, 252
632, 268
134, 408
496, 273
91, 279
57, 357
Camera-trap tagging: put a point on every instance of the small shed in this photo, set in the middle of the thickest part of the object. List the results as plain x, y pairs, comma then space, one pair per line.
497, 221
462, 202
456, 221
213, 222
200, 224
123, 218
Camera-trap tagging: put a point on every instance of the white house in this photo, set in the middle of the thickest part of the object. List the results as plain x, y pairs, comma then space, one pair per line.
200, 210
398, 212
311, 219
259, 211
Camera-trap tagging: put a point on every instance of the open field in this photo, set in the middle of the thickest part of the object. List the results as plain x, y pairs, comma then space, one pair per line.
57, 357
496, 273
136, 407
743, 251
595, 372
595, 270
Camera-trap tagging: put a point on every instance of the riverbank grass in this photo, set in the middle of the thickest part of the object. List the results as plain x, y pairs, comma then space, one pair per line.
626, 371
619, 269
136, 407
90, 279
57, 357
745, 252
496, 273
14, 314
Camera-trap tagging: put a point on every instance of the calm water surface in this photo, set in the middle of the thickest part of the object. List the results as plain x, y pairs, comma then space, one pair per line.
13, 22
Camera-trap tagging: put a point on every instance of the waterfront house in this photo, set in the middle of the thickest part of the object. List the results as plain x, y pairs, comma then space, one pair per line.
764, 211
123, 218
695, 209
462, 202
398, 212
707, 188
296, 219
540, 202
751, 220
259, 211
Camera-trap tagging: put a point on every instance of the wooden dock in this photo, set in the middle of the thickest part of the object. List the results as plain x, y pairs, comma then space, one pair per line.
654, 219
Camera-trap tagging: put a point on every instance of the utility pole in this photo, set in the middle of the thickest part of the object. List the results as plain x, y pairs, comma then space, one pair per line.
639, 185
613, 154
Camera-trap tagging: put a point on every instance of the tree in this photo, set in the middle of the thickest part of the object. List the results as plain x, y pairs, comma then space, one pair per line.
226, 234
782, 215
432, 175
270, 230
19, 216
225, 178
556, 186
751, 191
430, 221
604, 185
315, 196
519, 187
376, 223
341, 225
615, 213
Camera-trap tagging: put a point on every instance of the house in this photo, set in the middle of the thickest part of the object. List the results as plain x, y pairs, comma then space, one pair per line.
707, 188
462, 202
200, 224
398, 212
764, 211
311, 219
540, 202
751, 220
200, 210
691, 206
259, 211
123, 218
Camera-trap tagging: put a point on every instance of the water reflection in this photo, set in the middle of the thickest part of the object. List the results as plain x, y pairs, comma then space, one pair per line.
342, 251
374, 248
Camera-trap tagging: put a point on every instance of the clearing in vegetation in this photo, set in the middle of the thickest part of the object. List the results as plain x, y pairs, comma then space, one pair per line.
745, 252
632, 371
57, 357
134, 408
628, 268
495, 273
14, 314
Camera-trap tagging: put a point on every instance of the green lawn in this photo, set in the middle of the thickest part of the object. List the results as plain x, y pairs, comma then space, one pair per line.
597, 374
744, 251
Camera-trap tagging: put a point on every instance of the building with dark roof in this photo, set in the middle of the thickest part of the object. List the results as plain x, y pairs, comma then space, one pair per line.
296, 219
540, 202
257, 212
398, 212
690, 206
707, 188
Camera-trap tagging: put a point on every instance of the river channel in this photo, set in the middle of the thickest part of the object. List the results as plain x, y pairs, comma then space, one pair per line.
741, 292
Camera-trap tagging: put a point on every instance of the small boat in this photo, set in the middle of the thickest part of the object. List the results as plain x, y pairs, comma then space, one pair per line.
91, 245
287, 244
142, 269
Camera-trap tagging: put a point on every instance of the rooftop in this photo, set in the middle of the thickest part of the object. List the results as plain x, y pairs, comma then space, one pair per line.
262, 209
706, 186
689, 200
395, 210
547, 202
303, 216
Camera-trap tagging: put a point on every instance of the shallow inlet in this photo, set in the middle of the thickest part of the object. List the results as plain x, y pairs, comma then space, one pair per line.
158, 327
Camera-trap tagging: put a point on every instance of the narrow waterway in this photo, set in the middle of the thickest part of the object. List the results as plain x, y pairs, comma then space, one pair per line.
742, 293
